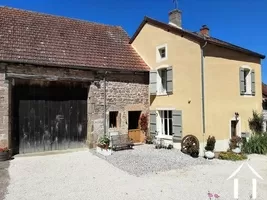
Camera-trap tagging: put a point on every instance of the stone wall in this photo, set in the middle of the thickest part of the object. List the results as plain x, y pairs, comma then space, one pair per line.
124, 92
4, 111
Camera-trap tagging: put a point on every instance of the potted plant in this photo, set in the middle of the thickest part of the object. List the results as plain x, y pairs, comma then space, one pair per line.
210, 147
235, 144
4, 154
194, 151
103, 142
103, 146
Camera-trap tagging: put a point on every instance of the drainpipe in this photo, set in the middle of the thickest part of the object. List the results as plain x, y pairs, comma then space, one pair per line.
203, 93
105, 105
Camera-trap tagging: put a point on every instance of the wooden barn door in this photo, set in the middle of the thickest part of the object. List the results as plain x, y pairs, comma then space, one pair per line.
50, 118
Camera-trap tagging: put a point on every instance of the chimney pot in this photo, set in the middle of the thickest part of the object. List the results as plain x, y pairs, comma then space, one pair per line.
175, 18
204, 30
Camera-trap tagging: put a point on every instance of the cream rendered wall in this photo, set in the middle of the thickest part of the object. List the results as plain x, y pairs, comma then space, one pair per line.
222, 95
222, 91
184, 57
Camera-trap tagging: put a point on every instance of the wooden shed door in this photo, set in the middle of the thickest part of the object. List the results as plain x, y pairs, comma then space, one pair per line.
50, 118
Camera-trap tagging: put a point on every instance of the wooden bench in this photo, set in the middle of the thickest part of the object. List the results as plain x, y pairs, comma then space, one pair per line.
121, 141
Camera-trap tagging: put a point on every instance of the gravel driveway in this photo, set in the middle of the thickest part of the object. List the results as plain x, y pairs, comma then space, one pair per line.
81, 175
145, 159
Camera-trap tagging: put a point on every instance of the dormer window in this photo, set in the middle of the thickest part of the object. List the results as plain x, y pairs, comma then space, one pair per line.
161, 53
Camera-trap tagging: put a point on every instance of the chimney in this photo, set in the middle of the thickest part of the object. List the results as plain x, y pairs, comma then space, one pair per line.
204, 30
175, 18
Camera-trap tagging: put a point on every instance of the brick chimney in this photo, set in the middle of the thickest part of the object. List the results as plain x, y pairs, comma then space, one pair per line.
175, 18
204, 30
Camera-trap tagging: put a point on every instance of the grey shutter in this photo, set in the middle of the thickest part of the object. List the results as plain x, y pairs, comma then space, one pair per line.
169, 80
253, 88
153, 123
153, 82
177, 125
241, 80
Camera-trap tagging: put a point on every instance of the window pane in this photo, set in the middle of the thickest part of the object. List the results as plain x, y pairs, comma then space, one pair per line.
170, 126
166, 126
165, 113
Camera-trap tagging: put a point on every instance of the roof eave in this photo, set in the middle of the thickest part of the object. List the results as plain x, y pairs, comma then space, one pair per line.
198, 38
79, 67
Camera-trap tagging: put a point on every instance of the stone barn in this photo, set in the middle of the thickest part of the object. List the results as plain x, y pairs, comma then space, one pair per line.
64, 82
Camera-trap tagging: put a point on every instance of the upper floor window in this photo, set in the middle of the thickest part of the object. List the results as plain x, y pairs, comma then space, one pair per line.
161, 81
161, 53
247, 81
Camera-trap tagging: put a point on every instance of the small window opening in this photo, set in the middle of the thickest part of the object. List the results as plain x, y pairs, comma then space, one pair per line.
113, 119
162, 52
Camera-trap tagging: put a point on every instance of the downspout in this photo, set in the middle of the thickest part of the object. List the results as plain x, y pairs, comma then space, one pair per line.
203, 93
105, 105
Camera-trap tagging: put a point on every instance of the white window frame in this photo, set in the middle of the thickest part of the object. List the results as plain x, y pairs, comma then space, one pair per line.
158, 56
248, 86
161, 87
238, 131
161, 123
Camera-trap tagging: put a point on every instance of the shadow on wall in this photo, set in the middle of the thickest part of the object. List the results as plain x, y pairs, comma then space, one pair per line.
219, 52
4, 178
152, 98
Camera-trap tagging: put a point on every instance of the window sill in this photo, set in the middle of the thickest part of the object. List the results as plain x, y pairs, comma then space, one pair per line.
165, 137
162, 94
248, 95
161, 59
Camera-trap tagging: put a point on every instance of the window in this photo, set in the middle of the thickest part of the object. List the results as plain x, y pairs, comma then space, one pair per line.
162, 81
247, 81
166, 122
161, 53
113, 119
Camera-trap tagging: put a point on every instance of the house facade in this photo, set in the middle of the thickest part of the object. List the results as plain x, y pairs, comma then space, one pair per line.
199, 85
65, 82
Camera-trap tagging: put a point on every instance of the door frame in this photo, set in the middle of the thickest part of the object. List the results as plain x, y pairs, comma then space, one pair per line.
238, 126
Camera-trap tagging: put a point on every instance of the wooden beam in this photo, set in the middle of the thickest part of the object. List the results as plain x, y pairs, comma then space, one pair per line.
48, 77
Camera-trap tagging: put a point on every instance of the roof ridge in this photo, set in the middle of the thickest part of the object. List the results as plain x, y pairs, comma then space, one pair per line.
195, 35
58, 16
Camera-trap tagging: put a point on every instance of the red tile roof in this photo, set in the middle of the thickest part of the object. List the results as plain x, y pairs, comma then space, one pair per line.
198, 37
31, 37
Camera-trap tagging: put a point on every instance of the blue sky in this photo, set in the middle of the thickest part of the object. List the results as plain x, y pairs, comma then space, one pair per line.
242, 22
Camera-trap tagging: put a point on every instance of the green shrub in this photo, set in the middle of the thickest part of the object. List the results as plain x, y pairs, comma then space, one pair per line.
255, 123
231, 156
256, 144
210, 143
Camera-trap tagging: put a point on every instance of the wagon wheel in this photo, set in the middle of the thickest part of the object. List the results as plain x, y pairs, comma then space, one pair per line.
189, 141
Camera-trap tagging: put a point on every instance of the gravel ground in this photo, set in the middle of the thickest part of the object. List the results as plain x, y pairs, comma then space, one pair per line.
145, 159
4, 178
81, 175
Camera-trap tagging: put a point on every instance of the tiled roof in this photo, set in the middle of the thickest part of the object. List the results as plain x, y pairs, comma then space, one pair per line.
31, 37
194, 35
